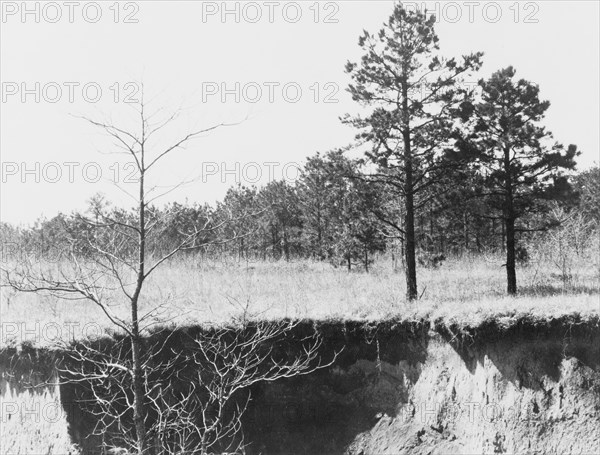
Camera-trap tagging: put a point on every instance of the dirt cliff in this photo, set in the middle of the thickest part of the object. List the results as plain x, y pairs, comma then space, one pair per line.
519, 386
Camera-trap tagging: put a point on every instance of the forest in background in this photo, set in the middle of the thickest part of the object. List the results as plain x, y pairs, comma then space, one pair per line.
329, 214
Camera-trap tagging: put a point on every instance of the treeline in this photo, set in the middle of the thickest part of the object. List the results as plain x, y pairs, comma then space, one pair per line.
333, 213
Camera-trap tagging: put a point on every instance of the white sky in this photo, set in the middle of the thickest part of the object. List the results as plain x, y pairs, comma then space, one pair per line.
180, 53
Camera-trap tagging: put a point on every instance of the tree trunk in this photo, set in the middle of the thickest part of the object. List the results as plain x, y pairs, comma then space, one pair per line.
138, 392
409, 226
509, 216
138, 379
431, 241
511, 273
409, 216
286, 246
466, 230
421, 233
410, 247
320, 237
403, 250
503, 243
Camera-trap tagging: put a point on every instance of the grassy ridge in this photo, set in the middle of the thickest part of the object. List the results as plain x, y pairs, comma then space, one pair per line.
467, 291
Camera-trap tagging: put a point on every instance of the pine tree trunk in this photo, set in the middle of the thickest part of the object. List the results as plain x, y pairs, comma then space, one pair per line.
410, 247
320, 237
409, 224
466, 230
509, 216
511, 273
503, 243
431, 235
409, 216
286, 246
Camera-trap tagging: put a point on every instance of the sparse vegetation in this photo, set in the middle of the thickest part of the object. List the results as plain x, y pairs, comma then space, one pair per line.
195, 290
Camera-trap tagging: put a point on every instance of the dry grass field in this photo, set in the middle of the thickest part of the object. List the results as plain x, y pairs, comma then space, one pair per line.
184, 292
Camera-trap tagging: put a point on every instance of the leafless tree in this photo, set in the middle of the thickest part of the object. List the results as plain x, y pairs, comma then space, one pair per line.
569, 244
194, 397
133, 388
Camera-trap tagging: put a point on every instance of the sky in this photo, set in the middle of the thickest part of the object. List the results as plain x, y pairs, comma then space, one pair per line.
273, 71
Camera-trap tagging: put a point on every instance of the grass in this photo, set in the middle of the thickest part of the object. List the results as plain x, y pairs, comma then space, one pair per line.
467, 291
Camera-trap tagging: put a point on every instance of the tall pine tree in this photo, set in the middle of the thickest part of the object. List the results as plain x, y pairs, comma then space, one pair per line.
520, 165
413, 96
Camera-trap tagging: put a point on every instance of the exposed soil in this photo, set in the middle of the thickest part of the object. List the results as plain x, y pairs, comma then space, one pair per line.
519, 387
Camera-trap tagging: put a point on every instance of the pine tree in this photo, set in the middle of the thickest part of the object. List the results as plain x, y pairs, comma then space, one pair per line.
520, 165
414, 95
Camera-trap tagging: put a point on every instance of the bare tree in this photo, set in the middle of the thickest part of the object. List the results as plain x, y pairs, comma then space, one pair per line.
195, 397
121, 261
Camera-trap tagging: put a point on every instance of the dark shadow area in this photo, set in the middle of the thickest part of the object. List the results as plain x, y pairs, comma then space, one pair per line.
321, 412
325, 411
77, 398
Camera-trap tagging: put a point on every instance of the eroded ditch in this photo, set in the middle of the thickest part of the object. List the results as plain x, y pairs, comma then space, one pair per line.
395, 387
